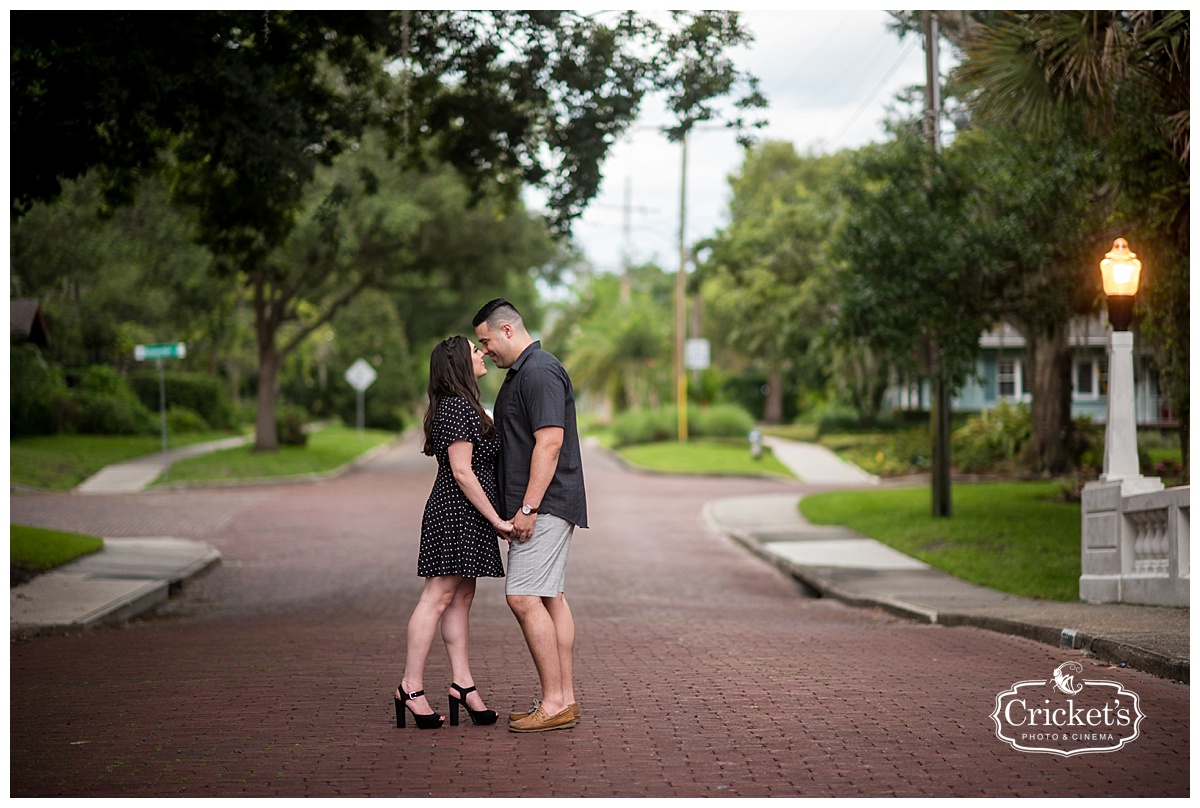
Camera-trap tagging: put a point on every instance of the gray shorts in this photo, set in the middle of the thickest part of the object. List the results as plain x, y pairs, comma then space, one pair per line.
539, 566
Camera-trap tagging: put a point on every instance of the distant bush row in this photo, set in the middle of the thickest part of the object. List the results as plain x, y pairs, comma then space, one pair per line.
102, 402
647, 426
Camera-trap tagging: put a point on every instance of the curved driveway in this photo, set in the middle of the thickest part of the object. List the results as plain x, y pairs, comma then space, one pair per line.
702, 670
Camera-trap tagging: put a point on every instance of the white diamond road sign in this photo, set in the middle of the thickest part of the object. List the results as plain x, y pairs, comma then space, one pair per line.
360, 375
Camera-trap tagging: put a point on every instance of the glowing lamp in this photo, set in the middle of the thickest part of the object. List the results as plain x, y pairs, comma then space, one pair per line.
1120, 271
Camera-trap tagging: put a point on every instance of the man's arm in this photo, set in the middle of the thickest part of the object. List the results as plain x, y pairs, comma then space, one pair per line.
542, 466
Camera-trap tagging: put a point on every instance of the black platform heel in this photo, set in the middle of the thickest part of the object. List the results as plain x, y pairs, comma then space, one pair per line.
480, 717
430, 721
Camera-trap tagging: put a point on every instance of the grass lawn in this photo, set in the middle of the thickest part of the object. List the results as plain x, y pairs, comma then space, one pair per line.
807, 433
327, 449
35, 548
61, 462
704, 457
1012, 537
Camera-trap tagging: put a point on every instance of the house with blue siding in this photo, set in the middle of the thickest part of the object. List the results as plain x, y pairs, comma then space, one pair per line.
1000, 375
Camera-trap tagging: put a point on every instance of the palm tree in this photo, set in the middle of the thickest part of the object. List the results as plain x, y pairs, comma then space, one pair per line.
1127, 73
1028, 66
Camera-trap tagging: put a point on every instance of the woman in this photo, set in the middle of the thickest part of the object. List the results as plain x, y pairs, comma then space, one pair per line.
458, 532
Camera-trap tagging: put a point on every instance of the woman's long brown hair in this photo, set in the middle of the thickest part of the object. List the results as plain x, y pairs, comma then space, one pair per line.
451, 374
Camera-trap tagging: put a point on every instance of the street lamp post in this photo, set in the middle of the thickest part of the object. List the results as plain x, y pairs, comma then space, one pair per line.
1121, 271
1110, 541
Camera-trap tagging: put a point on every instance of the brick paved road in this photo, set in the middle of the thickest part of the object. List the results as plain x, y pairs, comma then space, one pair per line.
702, 670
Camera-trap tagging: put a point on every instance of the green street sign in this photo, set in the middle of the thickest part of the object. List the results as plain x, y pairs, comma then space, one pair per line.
167, 350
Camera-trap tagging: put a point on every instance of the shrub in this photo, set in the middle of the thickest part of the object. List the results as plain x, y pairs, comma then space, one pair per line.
992, 438
645, 426
200, 393
719, 421
662, 424
1087, 450
886, 454
36, 393
290, 421
104, 405
181, 420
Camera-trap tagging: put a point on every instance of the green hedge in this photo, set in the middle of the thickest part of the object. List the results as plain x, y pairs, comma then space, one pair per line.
37, 393
202, 394
104, 405
662, 424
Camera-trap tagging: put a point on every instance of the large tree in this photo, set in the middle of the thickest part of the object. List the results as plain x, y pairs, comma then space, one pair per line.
766, 273
242, 107
913, 282
1039, 240
1128, 74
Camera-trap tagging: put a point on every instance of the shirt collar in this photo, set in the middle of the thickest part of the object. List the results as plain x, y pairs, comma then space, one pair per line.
536, 345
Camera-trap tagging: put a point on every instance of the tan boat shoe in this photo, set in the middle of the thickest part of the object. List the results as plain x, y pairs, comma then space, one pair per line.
515, 716
538, 721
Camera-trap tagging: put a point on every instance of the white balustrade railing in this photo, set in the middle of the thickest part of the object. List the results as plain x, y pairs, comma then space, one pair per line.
1136, 546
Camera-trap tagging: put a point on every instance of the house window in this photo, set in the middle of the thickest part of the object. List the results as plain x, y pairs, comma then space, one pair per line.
1006, 378
1085, 379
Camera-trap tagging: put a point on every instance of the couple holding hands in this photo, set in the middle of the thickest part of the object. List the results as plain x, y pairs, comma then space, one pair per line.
518, 477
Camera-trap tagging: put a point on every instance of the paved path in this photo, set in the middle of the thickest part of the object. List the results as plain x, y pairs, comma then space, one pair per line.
816, 464
140, 472
703, 671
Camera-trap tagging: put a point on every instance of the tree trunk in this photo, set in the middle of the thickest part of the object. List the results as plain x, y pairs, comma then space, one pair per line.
773, 406
266, 438
1050, 413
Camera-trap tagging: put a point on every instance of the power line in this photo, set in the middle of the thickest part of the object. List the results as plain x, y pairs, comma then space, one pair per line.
875, 91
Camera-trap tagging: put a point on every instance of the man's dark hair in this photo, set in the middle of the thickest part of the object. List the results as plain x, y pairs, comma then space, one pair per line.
492, 307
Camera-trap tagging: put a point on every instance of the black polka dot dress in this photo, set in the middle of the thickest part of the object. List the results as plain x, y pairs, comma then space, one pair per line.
456, 539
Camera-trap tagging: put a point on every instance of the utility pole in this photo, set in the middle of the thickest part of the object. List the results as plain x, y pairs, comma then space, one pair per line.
681, 302
939, 411
626, 292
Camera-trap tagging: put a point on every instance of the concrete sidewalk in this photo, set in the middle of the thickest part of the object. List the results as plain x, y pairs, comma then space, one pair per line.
128, 576
125, 579
836, 562
137, 474
813, 463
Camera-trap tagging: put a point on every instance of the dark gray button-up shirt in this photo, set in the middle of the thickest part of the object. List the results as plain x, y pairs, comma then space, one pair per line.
537, 393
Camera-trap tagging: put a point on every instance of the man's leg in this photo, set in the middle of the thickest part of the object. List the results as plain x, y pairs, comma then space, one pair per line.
542, 638
564, 635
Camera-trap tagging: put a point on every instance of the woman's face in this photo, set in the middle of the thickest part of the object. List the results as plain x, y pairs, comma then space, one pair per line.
477, 365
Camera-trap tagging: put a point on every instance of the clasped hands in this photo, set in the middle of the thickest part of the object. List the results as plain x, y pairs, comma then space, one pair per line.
520, 527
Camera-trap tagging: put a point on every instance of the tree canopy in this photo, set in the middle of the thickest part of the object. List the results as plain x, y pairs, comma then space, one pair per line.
241, 109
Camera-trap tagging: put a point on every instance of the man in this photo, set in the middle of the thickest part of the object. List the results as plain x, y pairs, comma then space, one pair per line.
541, 486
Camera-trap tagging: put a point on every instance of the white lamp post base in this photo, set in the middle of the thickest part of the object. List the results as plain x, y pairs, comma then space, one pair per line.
1120, 433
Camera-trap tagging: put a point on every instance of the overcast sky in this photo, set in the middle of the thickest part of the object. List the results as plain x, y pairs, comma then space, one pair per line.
829, 77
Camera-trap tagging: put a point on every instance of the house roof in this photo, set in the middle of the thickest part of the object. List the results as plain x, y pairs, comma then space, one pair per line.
1087, 331
25, 318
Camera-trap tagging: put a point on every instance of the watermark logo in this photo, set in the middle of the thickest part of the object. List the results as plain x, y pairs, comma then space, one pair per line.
1067, 715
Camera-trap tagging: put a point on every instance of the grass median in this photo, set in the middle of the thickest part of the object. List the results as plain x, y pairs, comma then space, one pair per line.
34, 550
1012, 537
328, 449
61, 462
705, 457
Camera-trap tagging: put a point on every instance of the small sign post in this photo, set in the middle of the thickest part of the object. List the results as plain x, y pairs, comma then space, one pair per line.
360, 375
168, 350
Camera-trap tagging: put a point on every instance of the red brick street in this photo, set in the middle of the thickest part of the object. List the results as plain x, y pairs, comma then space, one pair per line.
702, 671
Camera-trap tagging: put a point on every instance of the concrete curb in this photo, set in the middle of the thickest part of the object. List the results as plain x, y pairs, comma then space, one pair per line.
311, 477
123, 581
817, 584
